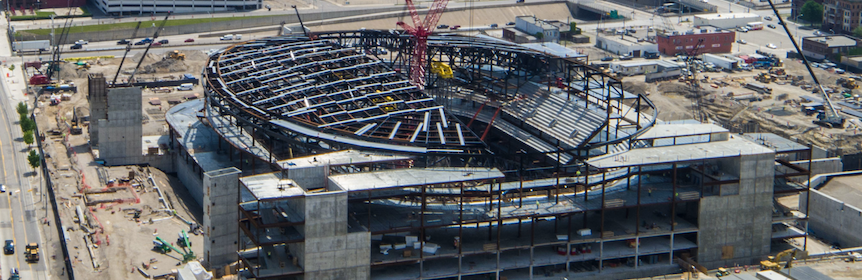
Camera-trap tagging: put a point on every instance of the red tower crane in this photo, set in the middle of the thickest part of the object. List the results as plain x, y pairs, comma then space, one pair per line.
420, 31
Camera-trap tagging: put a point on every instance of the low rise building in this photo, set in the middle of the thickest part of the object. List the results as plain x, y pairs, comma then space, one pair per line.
730, 20
684, 42
634, 68
533, 26
516, 36
841, 15
120, 7
622, 45
826, 47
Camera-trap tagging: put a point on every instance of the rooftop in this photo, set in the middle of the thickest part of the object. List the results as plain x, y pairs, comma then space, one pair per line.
728, 15
193, 134
632, 41
834, 41
345, 157
733, 147
271, 186
775, 142
538, 22
554, 49
679, 130
408, 177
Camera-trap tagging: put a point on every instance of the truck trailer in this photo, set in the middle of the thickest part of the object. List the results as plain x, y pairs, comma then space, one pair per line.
721, 62
31, 46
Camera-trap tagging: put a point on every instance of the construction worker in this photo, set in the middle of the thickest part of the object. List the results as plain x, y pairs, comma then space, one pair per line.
649, 191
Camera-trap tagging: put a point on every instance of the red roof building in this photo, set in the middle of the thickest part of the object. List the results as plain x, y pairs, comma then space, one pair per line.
683, 43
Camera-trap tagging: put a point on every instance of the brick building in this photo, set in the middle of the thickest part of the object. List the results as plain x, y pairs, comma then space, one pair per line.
841, 16
826, 47
713, 42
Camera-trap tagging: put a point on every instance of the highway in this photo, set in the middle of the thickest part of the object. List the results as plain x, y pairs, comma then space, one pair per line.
19, 220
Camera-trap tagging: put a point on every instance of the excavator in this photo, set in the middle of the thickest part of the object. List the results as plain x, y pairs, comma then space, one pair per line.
75, 128
849, 83
773, 263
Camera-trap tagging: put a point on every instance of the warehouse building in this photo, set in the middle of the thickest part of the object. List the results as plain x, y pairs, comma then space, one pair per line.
726, 21
684, 42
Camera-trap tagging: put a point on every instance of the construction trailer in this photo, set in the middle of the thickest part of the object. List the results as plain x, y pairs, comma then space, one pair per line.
721, 61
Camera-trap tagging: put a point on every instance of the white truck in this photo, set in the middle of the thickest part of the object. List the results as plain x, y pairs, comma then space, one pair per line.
226, 37
38, 45
757, 25
186, 86
720, 62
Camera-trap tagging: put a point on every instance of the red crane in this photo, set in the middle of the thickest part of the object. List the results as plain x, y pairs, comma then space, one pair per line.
420, 31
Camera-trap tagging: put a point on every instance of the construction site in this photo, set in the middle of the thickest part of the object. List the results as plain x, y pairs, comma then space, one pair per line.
404, 154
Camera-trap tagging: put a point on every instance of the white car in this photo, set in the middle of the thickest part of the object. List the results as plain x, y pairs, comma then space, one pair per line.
2, 188
771, 46
742, 41
81, 42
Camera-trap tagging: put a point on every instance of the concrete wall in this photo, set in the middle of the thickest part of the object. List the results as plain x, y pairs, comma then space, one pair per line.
97, 93
309, 177
832, 219
189, 177
121, 132
220, 211
329, 251
737, 228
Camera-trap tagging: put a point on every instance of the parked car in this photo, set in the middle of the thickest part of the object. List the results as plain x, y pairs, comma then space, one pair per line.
510, 23
189, 40
608, 58
767, 18
442, 26
76, 47
839, 71
626, 57
771, 46
164, 41
2, 188
123, 42
741, 41
771, 26
455, 27
494, 25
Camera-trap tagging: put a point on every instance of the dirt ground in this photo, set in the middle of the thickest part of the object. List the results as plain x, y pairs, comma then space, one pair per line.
120, 242
784, 117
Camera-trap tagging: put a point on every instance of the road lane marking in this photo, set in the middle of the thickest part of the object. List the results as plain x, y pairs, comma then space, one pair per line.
9, 200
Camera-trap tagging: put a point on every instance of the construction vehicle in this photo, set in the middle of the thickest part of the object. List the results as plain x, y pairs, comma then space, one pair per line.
765, 77
31, 252
83, 65
441, 69
829, 118
773, 263
849, 83
777, 71
75, 128
176, 55
722, 272
164, 247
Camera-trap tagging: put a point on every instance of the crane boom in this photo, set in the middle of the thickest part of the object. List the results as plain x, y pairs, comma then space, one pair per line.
155, 35
128, 48
831, 117
420, 31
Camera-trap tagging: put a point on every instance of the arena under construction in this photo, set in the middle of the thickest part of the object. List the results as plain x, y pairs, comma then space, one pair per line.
516, 161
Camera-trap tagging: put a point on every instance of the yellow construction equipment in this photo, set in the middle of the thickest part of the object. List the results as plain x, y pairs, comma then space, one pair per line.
722, 272
777, 71
442, 69
83, 64
765, 77
177, 55
773, 263
32, 252
848, 83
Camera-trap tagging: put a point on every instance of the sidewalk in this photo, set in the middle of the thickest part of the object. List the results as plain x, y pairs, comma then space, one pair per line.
15, 80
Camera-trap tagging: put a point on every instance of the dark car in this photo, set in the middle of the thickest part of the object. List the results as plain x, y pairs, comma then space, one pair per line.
455, 27
442, 26
123, 42
510, 23
189, 40
9, 248
140, 43
771, 26
156, 44
76, 47
608, 58
494, 25
165, 41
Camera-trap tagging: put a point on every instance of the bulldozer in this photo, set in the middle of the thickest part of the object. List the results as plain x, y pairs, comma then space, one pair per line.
773, 263
176, 55
848, 83
83, 65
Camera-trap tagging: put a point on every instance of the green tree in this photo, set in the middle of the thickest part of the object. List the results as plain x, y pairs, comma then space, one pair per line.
539, 35
28, 138
22, 108
26, 123
857, 31
34, 159
812, 12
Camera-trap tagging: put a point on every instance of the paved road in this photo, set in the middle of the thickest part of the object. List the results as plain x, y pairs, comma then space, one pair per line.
18, 217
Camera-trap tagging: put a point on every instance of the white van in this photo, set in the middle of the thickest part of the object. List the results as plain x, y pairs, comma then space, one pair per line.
186, 86
237, 37
226, 37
